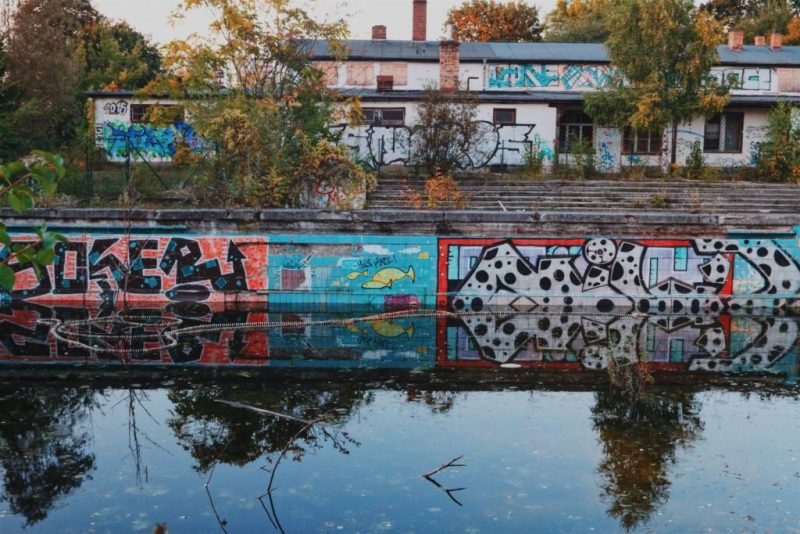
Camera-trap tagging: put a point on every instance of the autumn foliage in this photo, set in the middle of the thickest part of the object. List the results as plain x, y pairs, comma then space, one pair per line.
487, 20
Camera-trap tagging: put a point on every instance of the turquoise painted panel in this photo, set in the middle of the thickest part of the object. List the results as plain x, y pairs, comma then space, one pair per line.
380, 271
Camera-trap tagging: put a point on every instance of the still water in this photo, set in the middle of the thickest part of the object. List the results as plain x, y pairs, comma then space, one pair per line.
611, 425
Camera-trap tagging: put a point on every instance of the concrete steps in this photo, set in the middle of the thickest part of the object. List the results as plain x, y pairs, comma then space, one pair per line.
488, 193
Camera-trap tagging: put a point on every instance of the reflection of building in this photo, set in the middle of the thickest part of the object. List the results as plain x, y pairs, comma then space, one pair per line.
530, 100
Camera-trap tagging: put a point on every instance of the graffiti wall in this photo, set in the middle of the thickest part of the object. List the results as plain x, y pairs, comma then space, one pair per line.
600, 274
501, 144
146, 142
531, 76
619, 276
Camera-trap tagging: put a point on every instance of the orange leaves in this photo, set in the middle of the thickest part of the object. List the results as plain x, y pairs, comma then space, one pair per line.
487, 20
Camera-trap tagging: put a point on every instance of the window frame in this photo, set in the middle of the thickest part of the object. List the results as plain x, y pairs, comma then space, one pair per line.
138, 112
513, 112
632, 135
723, 118
564, 143
380, 111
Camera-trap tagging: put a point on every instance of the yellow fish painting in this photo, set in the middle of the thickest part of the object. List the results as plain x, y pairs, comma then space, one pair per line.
389, 329
388, 276
355, 274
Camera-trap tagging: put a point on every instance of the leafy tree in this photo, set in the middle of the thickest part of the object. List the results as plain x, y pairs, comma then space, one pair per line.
17, 181
41, 65
487, 20
10, 142
778, 156
267, 127
578, 21
770, 16
113, 56
447, 132
663, 52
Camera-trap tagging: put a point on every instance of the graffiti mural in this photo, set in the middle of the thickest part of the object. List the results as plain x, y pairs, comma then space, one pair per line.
144, 141
748, 79
530, 76
620, 276
717, 343
503, 144
381, 271
106, 269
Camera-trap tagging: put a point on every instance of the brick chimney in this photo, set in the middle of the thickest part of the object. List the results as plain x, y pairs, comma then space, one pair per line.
420, 21
449, 64
775, 41
379, 33
760, 40
736, 41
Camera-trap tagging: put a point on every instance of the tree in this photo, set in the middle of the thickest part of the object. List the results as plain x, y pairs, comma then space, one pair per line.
578, 21
259, 104
16, 181
769, 17
447, 135
662, 52
42, 66
778, 156
112, 55
487, 20
10, 142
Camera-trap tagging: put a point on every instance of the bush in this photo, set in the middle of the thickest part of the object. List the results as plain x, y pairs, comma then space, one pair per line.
777, 158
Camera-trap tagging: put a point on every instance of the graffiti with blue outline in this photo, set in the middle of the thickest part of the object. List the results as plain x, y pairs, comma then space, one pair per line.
121, 139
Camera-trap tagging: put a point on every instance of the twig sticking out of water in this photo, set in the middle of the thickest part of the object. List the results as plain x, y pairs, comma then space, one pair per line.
451, 463
449, 491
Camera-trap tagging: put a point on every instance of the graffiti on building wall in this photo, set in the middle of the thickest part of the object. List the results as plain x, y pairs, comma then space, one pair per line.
591, 342
502, 144
676, 276
119, 107
529, 76
147, 267
323, 195
748, 79
121, 139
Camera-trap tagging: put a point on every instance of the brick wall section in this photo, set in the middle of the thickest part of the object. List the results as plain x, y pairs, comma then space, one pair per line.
449, 62
420, 21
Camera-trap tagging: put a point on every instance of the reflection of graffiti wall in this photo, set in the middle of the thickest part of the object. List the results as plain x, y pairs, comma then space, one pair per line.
527, 76
586, 343
714, 343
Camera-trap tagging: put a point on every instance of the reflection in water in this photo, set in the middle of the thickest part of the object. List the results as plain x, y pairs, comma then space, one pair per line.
45, 446
47, 450
639, 436
216, 432
693, 343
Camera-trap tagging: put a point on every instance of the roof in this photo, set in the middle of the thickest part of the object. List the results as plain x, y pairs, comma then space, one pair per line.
391, 50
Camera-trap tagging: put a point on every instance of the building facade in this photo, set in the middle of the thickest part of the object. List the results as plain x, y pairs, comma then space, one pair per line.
530, 101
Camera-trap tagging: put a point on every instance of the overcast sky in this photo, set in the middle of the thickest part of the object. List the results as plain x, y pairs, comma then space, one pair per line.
151, 16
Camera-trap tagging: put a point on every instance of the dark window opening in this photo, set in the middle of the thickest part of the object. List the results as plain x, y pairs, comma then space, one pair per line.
139, 112
384, 116
504, 116
641, 141
575, 127
723, 133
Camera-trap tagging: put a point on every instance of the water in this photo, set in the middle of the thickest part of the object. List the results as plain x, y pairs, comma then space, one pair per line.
557, 443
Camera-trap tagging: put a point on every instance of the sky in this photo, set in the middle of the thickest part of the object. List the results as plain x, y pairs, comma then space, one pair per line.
151, 17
